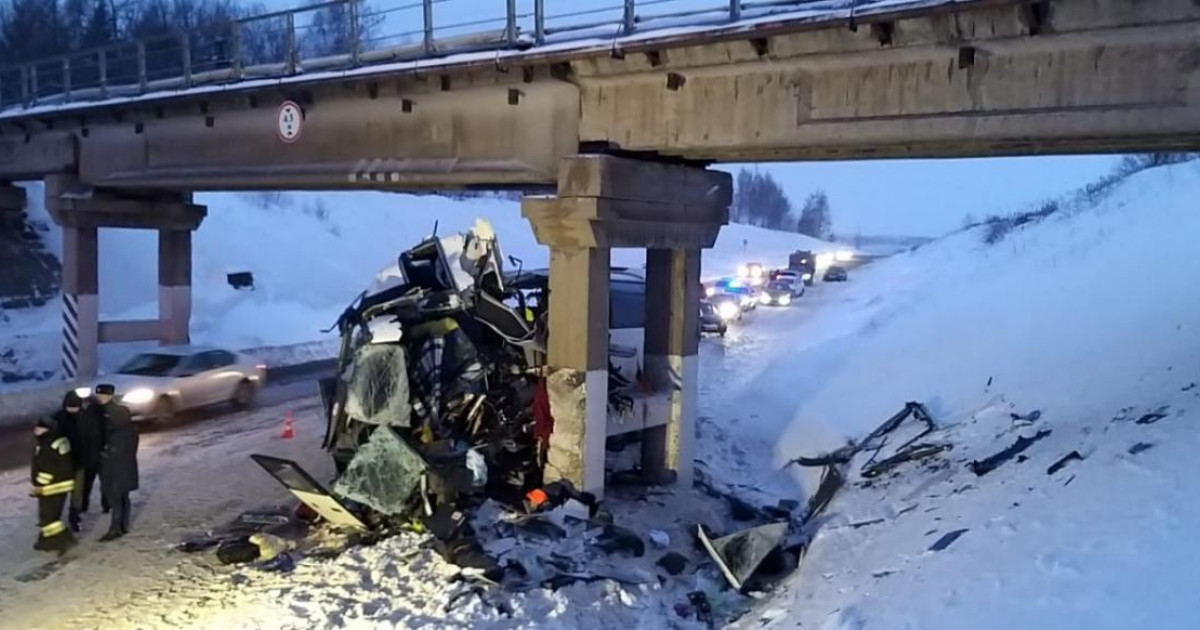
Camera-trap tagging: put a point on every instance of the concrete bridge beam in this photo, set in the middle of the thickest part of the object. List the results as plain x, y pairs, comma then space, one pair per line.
604, 202
82, 212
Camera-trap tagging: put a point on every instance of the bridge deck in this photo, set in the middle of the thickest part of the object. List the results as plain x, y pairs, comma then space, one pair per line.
716, 23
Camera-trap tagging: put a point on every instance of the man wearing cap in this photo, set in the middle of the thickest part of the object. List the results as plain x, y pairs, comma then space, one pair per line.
118, 460
53, 478
83, 430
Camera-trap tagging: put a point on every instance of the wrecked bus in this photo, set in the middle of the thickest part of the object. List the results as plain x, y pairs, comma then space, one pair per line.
446, 351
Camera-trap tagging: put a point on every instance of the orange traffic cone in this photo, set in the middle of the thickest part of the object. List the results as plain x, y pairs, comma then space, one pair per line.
289, 430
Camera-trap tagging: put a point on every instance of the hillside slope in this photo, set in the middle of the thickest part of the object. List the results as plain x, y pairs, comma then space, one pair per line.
1088, 317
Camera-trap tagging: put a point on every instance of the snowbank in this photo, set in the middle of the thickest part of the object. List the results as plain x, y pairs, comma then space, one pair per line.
1088, 316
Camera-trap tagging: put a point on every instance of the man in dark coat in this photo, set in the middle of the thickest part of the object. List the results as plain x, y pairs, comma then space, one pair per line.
118, 461
53, 477
85, 432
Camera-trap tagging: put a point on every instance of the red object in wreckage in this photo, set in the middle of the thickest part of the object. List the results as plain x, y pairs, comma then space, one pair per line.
535, 499
543, 422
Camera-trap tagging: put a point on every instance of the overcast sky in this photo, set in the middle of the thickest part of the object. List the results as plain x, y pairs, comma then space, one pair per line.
931, 197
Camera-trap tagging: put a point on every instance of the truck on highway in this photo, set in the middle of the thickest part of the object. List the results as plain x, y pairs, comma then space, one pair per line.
805, 263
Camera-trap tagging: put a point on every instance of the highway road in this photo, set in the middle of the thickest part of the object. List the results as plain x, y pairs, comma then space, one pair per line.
283, 385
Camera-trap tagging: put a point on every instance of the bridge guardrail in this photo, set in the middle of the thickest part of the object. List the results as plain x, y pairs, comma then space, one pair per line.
337, 35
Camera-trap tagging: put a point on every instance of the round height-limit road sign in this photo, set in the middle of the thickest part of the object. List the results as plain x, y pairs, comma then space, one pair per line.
290, 122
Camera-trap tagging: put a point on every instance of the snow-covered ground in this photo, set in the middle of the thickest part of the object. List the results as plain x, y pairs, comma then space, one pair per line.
311, 254
1087, 316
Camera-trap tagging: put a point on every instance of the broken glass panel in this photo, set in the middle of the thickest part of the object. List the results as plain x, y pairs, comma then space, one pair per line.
383, 474
378, 386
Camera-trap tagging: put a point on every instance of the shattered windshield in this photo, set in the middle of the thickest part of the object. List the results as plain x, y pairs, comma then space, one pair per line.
151, 365
377, 391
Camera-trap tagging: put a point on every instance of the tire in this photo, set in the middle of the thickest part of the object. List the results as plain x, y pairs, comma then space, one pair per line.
164, 410
243, 396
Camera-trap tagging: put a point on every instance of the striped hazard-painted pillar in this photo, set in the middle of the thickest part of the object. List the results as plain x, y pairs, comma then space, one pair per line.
81, 316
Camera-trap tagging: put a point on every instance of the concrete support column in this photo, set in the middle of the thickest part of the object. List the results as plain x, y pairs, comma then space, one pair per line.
175, 285
603, 202
672, 341
578, 358
81, 302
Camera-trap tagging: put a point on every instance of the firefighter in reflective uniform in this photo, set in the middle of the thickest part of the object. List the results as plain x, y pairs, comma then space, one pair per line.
53, 476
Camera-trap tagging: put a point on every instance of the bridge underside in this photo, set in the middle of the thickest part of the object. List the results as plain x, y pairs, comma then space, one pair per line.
1003, 78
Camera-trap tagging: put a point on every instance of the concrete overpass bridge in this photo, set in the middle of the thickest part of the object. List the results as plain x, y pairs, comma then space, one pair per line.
618, 120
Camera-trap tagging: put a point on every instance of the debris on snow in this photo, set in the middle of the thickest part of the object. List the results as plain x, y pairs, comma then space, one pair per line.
993, 462
270, 546
739, 555
1153, 416
673, 562
1140, 447
1063, 461
947, 540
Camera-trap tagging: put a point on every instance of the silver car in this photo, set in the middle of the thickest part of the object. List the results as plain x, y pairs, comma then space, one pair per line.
157, 385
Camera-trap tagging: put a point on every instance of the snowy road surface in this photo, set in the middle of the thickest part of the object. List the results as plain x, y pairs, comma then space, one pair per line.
192, 480
295, 384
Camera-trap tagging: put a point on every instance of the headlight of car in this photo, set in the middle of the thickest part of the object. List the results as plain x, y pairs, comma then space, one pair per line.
727, 310
784, 300
764, 298
83, 392
139, 396
807, 276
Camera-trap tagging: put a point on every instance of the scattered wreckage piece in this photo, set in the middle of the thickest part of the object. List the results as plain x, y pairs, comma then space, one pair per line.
740, 554
912, 453
831, 481
983, 467
909, 448
1063, 461
1153, 416
309, 491
673, 562
947, 539
1140, 447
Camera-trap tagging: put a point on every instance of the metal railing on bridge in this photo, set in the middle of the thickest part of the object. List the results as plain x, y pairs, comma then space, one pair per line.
346, 34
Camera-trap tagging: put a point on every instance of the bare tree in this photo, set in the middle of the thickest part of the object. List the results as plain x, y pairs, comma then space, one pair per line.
816, 218
333, 29
760, 200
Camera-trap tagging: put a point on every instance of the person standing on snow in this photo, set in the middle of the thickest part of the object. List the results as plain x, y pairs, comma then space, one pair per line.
84, 433
118, 461
53, 477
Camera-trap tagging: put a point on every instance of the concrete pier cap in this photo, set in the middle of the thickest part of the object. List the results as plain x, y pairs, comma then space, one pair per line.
81, 211
671, 210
